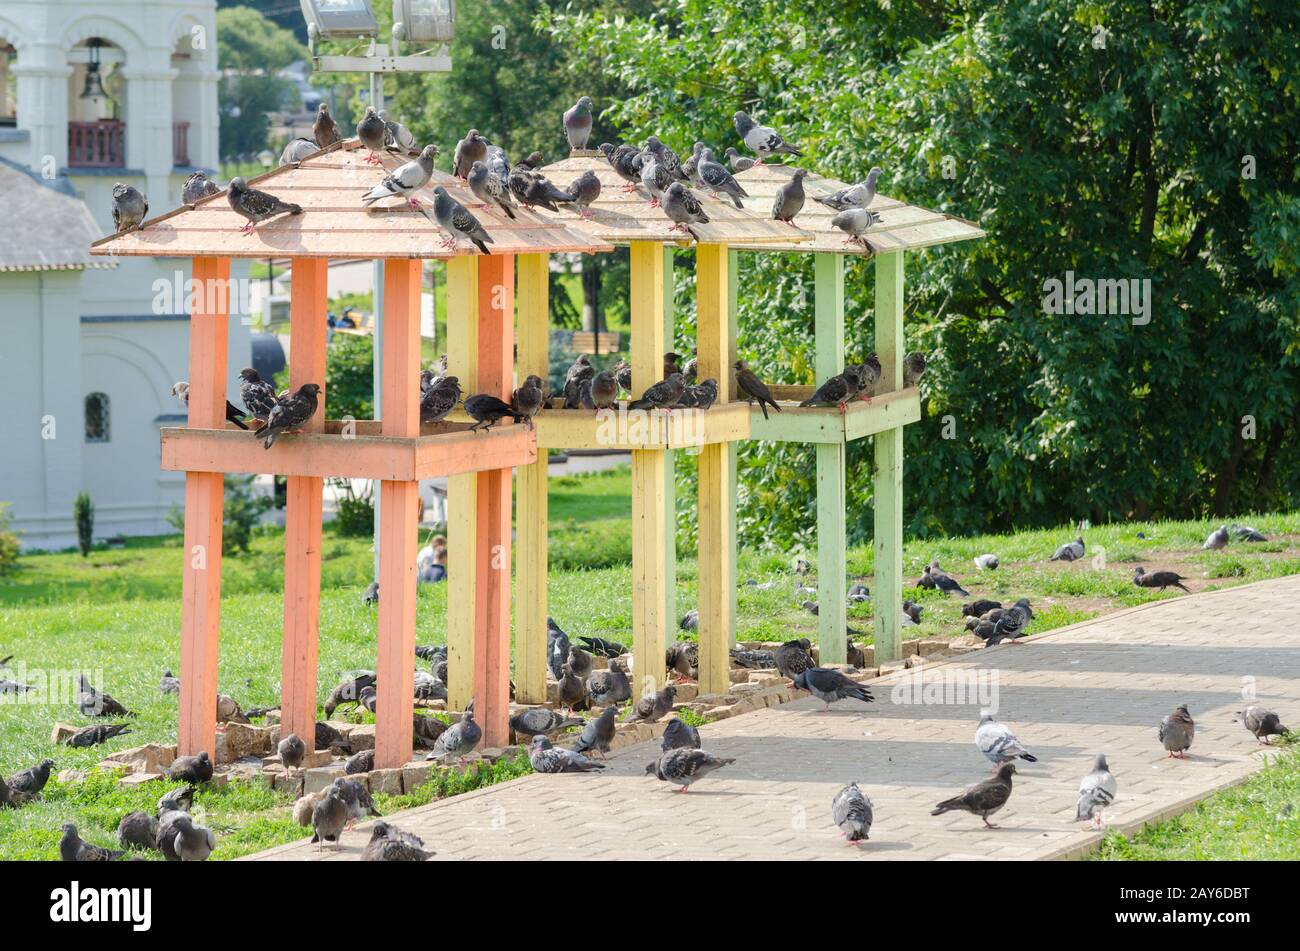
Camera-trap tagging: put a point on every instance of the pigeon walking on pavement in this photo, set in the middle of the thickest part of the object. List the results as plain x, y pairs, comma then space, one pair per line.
829, 685
390, 844
546, 758
328, 819
1260, 721
685, 765
1177, 732
255, 205
998, 744
982, 799
1096, 792
678, 734
598, 734
853, 813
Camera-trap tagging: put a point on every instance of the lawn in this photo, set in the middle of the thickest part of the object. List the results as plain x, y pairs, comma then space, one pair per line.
115, 614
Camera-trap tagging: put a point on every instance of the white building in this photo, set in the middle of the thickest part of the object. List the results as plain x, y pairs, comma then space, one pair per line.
92, 94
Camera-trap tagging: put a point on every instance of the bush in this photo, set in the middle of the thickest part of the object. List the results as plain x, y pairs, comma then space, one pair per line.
356, 513
83, 511
349, 377
8, 542
243, 510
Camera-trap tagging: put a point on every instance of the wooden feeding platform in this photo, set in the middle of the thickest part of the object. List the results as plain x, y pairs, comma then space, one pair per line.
624, 429
396, 450
826, 424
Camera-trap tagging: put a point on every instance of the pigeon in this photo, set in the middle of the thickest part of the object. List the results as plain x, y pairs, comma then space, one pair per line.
390, 844
94, 735
714, 176
429, 687
577, 124
539, 721
691, 166
570, 691
73, 849
1070, 551
585, 190
683, 657
602, 647
738, 162
985, 563
761, 140
1218, 539
1096, 792
371, 594
1158, 579
372, 131
557, 647
356, 797
603, 391
362, 762
256, 394
180, 840
489, 189
458, 222
579, 662
439, 400
654, 707
180, 798
678, 734
290, 413
868, 374
292, 749
303, 806
753, 660
672, 364
912, 611
982, 799
812, 607
944, 581
914, 369
661, 395
33, 779
685, 765
1177, 731
325, 130
473, 148
533, 188
328, 819
998, 744
528, 399
460, 738
405, 181
94, 703
852, 811
620, 159
754, 388
854, 222
703, 395
829, 685
298, 151
836, 391
181, 390
255, 205
854, 196
398, 138
14, 687
138, 830
191, 769
196, 188
1011, 624
855, 655
609, 686
1260, 721
427, 730
793, 657
790, 198
487, 409
1244, 533
598, 734
348, 691
656, 180
546, 758
580, 372
129, 207
623, 375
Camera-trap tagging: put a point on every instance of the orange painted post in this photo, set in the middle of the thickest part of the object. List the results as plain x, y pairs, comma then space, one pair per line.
496, 309
302, 518
204, 499
398, 513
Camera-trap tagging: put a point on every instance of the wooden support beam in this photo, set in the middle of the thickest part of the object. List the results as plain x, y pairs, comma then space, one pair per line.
888, 481
716, 546
733, 325
399, 506
204, 502
531, 569
303, 509
462, 490
832, 616
670, 471
496, 340
649, 504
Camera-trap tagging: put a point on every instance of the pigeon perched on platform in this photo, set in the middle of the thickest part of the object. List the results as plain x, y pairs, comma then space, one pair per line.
654, 707
196, 188
661, 395
598, 734
829, 685
1096, 792
609, 686
793, 657
255, 205
460, 738
539, 721
486, 409
656, 180
1260, 721
715, 176
473, 148
603, 391
1244, 533
868, 374
852, 811
390, 844
761, 140
297, 151
95, 703
940, 579
546, 758
290, 413
328, 819
738, 162
256, 394
33, 779
855, 222
754, 388
398, 138
998, 744
138, 830
914, 369
292, 749
191, 769
836, 391
853, 196
528, 398
585, 189
790, 198
702, 395
678, 734
577, 124
373, 133
1218, 539
685, 766
531, 187
73, 849
603, 647
578, 373
1070, 551
691, 166
1177, 732
325, 130
489, 189
439, 400
621, 159
982, 799
405, 181
666, 157
181, 390
130, 207
623, 375
94, 735
1158, 579
458, 221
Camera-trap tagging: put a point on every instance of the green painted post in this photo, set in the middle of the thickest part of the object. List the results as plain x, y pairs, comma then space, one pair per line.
670, 475
888, 482
832, 618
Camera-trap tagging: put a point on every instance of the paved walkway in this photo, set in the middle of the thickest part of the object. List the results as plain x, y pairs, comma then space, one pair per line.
1099, 686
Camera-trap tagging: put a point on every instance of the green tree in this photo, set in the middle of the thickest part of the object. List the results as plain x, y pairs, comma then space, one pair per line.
83, 513
250, 51
349, 376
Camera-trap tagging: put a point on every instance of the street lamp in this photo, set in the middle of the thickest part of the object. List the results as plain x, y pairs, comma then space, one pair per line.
424, 21
337, 19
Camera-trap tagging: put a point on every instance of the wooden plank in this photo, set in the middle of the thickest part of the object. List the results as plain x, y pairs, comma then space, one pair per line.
670, 473
399, 502
888, 480
303, 509
832, 616
204, 501
733, 323
821, 424
462, 490
531, 569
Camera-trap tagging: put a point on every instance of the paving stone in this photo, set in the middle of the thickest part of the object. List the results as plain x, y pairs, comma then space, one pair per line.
319, 777
386, 781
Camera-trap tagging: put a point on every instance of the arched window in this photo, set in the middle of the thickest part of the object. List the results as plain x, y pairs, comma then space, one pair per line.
97, 418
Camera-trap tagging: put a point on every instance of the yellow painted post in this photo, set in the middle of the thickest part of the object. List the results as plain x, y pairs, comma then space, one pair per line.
531, 307
670, 473
888, 482
462, 490
716, 503
649, 507
832, 618
733, 323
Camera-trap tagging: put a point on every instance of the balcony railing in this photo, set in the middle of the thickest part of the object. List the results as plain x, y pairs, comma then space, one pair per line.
180, 143
100, 144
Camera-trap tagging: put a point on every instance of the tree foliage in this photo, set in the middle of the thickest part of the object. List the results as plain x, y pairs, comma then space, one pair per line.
250, 51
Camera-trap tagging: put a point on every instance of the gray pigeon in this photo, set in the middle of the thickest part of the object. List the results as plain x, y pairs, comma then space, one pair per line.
528, 398
1096, 792
1158, 579
678, 734
426, 730
255, 205
738, 162
585, 189
683, 658
362, 762
913, 370
328, 819
489, 189
793, 657
356, 797
829, 685
348, 691
11, 798
440, 399
577, 124
539, 721
761, 140
473, 148
609, 686
715, 177
176, 800
665, 157
685, 766
982, 799
836, 391
691, 167
656, 180
1070, 551
1177, 731
325, 130
95, 703
298, 151
570, 692
986, 563
196, 188
373, 133
1244, 533
460, 738
598, 734
942, 580
602, 392
129, 207
138, 830
852, 811
579, 662
33, 779
256, 394
557, 647
854, 196
456, 219
622, 159
179, 839
790, 198
290, 413
371, 594
191, 769
398, 138
546, 758
73, 849
654, 707
405, 181
663, 394
1260, 721
855, 222
390, 844
998, 744
1218, 539
292, 749
94, 735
